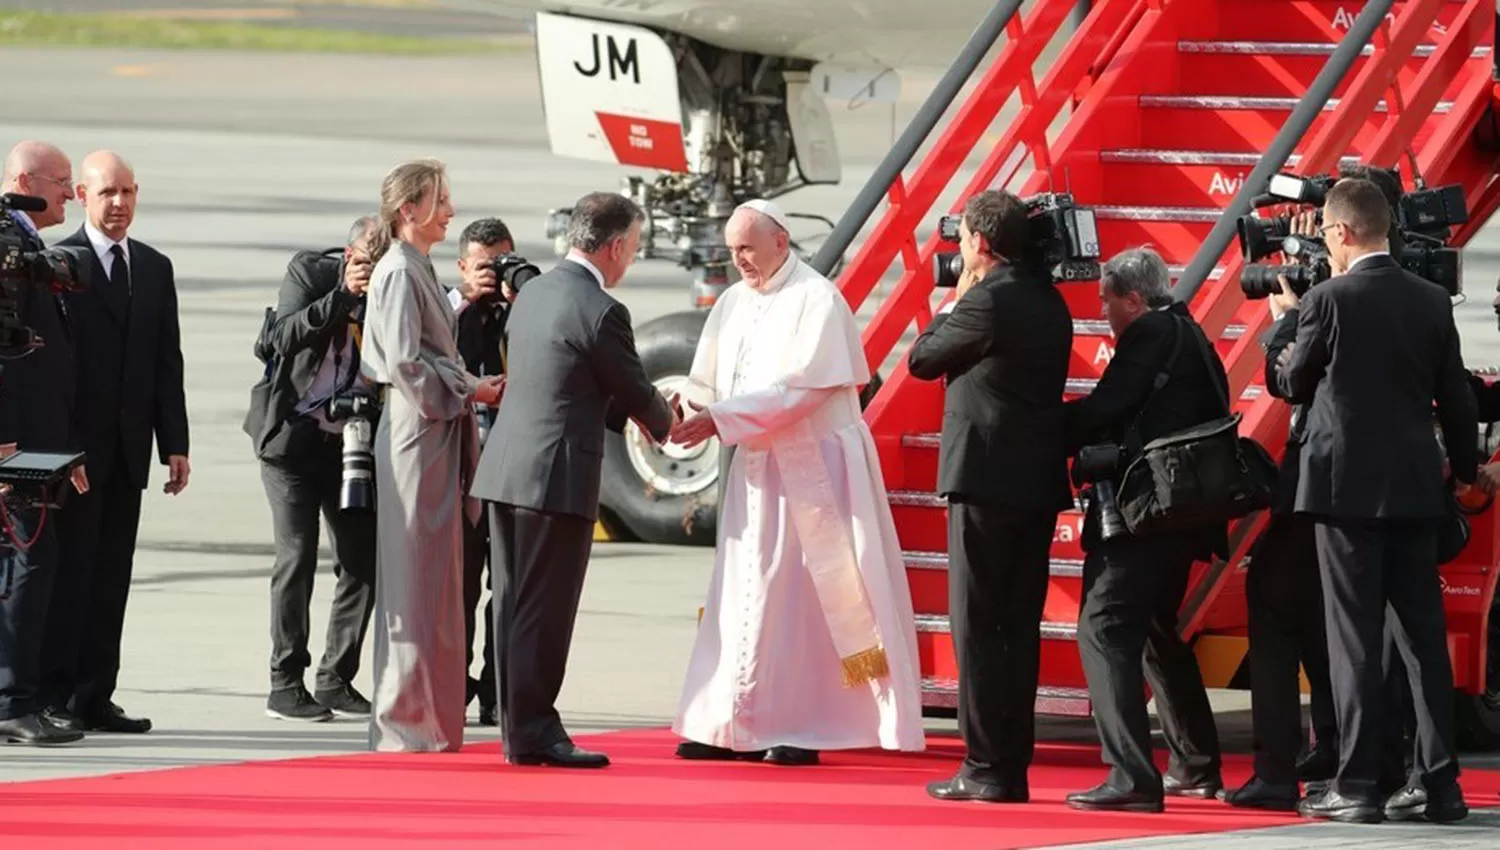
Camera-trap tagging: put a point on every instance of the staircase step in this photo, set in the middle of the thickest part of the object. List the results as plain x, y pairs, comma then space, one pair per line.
921, 519
1279, 69
918, 560
1246, 102
1139, 156
1324, 21
1214, 122
1060, 665
927, 576
1299, 48
1069, 702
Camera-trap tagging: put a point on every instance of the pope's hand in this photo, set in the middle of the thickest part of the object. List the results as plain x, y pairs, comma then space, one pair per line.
695, 429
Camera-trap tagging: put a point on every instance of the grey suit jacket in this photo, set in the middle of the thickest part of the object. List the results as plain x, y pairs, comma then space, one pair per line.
572, 361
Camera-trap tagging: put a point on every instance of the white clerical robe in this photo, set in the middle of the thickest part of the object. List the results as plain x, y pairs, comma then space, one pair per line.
809, 585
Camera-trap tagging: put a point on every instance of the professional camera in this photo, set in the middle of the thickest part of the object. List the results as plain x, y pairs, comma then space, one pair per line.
55, 268
358, 413
1431, 212
1094, 470
1062, 238
512, 270
1310, 266
1430, 260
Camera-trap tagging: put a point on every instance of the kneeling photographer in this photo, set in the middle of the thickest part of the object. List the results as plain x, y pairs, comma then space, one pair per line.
491, 274
1164, 378
1003, 346
312, 419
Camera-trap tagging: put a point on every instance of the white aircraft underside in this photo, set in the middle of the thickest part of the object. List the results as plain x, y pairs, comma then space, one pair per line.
852, 33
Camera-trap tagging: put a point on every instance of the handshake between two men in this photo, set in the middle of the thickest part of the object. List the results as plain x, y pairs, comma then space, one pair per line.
686, 431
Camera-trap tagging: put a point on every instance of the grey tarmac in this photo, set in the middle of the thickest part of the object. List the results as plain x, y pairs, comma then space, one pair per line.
244, 158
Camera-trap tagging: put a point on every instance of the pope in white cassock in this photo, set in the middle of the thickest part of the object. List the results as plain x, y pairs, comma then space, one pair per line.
807, 641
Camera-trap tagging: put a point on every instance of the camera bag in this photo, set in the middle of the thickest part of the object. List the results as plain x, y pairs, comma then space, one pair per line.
1199, 476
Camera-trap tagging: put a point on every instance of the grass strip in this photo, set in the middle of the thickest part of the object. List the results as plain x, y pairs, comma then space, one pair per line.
48, 29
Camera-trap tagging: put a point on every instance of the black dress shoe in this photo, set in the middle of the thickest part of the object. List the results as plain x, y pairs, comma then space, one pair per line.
1332, 805
964, 788
112, 718
34, 730
1445, 805
561, 754
1201, 789
63, 719
344, 701
1259, 794
1410, 803
694, 751
1319, 765
791, 756
1107, 798
489, 715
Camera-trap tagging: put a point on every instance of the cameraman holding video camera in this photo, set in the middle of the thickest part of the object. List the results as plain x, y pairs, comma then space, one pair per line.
482, 300
1003, 346
1165, 377
36, 414
311, 421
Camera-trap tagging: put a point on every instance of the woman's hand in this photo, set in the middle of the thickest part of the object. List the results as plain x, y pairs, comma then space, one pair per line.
489, 390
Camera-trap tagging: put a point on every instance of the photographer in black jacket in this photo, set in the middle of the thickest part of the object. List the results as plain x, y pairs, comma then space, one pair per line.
1004, 350
483, 305
312, 358
1133, 586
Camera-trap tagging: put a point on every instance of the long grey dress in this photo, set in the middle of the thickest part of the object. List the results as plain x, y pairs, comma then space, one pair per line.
425, 450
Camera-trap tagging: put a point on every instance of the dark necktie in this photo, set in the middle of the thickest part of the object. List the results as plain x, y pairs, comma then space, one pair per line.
119, 279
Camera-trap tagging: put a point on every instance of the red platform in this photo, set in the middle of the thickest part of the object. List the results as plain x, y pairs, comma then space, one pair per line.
647, 798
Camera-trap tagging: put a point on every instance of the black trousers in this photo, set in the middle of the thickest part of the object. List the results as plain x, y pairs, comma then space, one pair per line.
997, 585
27, 581
543, 557
1127, 635
86, 620
1285, 601
298, 492
476, 556
1367, 565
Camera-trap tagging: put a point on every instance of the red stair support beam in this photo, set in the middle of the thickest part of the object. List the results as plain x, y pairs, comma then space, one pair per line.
950, 151
1447, 62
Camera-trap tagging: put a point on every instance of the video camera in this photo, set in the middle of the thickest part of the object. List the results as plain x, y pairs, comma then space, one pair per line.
359, 413
1063, 238
54, 268
1421, 219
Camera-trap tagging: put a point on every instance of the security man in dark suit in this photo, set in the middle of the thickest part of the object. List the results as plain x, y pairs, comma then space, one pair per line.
483, 305
1003, 345
1285, 605
36, 414
312, 359
1375, 348
1133, 586
574, 367
130, 387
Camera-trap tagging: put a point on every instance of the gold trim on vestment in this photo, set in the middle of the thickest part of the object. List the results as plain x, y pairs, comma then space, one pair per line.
867, 665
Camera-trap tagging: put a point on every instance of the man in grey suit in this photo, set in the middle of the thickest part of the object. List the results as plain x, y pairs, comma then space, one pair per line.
573, 370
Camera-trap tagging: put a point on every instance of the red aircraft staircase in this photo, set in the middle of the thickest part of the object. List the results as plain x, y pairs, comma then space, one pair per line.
1172, 103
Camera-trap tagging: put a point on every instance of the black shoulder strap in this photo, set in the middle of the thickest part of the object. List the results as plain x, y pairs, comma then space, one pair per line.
1204, 347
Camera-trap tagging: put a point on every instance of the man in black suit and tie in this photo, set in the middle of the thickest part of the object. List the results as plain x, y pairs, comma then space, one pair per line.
1164, 377
36, 414
1375, 348
130, 386
573, 368
1004, 350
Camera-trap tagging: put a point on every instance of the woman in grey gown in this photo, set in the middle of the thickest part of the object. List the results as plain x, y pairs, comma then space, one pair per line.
425, 449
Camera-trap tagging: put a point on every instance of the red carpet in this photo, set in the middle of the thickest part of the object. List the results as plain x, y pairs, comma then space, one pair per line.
646, 799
